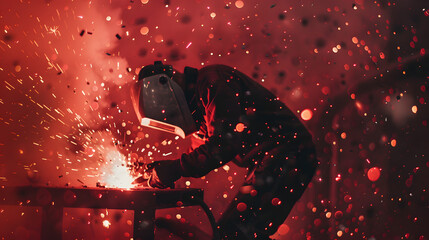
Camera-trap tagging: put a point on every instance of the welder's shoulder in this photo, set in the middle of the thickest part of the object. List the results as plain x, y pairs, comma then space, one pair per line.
213, 75
216, 68
211, 81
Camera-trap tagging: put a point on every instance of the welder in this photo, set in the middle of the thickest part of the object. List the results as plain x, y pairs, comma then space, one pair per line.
237, 120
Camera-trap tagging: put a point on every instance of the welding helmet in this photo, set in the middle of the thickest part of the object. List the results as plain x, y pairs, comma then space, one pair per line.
160, 102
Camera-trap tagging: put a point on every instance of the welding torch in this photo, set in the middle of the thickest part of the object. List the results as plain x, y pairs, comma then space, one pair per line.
141, 168
150, 177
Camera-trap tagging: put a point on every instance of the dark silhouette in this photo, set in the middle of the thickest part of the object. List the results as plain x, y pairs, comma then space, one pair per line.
237, 120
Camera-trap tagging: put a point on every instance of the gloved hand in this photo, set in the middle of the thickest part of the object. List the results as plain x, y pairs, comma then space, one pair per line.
162, 174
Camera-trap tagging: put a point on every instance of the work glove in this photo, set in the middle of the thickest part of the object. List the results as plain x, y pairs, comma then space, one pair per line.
160, 174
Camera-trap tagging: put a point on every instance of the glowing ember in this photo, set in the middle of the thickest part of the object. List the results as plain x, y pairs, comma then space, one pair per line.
116, 172
240, 127
106, 223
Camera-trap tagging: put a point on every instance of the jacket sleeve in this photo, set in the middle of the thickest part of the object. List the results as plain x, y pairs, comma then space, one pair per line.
220, 99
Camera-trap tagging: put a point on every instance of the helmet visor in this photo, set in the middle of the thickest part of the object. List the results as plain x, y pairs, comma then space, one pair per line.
160, 103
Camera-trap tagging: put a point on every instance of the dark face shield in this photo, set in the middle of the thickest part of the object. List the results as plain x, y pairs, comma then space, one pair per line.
160, 103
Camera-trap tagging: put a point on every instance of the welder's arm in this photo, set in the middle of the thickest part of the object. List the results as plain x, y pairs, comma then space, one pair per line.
158, 174
216, 152
222, 116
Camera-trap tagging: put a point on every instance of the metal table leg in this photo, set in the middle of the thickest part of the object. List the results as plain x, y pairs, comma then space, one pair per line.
52, 222
144, 224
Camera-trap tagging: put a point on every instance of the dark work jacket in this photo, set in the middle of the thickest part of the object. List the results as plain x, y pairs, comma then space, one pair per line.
239, 119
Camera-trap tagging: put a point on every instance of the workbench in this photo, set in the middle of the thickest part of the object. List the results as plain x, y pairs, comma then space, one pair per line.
143, 202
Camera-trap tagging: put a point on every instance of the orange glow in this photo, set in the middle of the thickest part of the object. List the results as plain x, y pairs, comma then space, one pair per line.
144, 30
115, 172
106, 223
18, 68
393, 142
239, 4
240, 127
359, 106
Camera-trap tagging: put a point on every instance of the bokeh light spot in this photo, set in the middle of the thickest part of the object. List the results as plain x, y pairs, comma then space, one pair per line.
306, 115
240, 127
347, 198
239, 4
338, 214
106, 223
276, 201
144, 31
241, 207
17, 68
326, 90
373, 174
